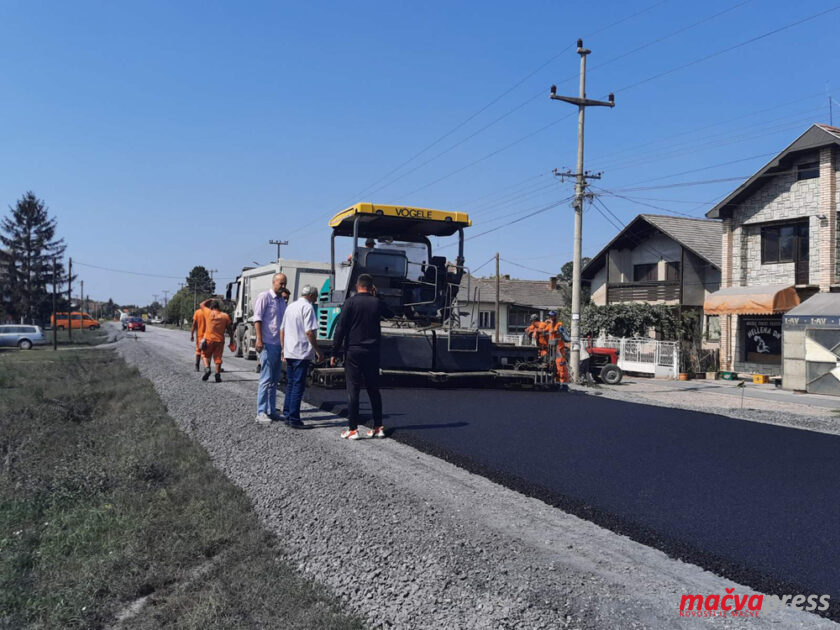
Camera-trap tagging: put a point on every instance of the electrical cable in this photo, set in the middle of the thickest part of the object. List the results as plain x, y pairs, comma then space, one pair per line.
727, 49
510, 262
671, 137
491, 259
478, 112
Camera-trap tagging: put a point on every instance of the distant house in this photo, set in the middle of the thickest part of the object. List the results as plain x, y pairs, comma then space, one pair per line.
658, 259
780, 246
518, 300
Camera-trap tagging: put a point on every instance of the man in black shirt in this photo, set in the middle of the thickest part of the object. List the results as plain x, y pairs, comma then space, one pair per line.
358, 333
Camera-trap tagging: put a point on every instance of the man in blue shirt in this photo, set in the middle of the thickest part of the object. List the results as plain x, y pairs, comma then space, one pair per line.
269, 308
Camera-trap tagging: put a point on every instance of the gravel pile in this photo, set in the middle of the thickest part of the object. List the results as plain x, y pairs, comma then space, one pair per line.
408, 541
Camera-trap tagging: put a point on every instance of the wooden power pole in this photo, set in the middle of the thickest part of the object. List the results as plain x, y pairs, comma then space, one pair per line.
580, 190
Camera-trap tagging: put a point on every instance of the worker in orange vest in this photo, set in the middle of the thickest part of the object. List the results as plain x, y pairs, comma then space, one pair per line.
536, 331
197, 335
556, 339
216, 324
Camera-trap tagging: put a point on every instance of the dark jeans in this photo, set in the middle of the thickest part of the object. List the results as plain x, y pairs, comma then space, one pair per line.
296, 370
362, 364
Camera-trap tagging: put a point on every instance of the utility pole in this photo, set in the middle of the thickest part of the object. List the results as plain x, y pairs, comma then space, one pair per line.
496, 316
580, 191
81, 307
278, 243
55, 299
69, 299
165, 295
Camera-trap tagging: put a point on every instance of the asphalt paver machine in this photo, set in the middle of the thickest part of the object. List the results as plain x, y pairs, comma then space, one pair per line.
425, 343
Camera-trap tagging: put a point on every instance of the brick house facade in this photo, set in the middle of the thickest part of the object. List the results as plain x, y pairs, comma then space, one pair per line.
779, 233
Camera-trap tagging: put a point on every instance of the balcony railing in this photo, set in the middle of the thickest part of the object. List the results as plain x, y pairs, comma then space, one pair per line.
642, 292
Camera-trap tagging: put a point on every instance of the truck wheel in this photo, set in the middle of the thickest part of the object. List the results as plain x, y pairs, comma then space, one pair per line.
611, 374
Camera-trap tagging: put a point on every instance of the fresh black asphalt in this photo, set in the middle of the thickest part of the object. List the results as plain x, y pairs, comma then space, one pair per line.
754, 502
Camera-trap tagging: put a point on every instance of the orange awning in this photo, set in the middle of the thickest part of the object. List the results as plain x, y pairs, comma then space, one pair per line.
767, 299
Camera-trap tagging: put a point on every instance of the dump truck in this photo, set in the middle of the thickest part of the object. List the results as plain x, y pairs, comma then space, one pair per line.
253, 281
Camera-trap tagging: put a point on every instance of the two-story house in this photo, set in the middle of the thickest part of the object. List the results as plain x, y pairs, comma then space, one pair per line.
779, 246
658, 259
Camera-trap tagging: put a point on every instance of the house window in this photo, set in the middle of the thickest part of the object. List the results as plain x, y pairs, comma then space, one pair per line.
808, 170
645, 273
712, 328
784, 243
487, 319
519, 319
672, 272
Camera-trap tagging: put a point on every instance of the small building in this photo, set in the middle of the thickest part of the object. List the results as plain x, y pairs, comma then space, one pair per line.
658, 259
811, 349
779, 247
518, 300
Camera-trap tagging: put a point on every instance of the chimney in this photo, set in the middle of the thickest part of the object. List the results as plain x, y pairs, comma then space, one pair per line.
552, 283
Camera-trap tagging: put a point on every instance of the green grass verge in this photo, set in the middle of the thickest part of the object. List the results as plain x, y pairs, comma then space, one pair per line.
79, 337
104, 501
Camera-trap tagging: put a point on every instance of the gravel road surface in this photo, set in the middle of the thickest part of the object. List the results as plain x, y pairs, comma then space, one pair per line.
411, 541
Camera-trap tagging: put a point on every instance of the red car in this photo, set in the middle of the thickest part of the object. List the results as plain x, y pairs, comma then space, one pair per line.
136, 323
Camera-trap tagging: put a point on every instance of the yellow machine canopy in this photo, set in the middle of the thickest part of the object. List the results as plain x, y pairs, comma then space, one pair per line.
402, 223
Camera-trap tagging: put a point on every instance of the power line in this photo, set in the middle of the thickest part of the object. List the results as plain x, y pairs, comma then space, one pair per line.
728, 49
489, 260
679, 150
520, 219
136, 273
510, 262
737, 5
466, 204
131, 273
499, 97
669, 139
481, 110
491, 154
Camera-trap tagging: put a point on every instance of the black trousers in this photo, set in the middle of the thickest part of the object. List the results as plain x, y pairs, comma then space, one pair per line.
361, 366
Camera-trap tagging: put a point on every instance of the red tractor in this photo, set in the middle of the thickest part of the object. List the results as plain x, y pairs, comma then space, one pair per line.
602, 364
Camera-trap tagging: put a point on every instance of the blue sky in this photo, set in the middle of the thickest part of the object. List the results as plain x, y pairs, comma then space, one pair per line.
168, 134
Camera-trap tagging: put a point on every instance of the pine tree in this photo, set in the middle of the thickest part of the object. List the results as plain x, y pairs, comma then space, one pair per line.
200, 281
28, 235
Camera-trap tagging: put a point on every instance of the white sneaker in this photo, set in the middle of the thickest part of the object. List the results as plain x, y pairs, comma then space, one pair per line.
263, 418
347, 434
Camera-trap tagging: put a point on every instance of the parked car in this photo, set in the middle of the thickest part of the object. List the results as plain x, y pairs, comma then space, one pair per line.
24, 337
156, 320
135, 323
78, 320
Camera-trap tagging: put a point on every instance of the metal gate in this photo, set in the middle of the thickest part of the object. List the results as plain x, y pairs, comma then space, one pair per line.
822, 361
645, 356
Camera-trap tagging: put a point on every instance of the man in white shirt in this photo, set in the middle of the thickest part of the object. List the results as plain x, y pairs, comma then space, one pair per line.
300, 345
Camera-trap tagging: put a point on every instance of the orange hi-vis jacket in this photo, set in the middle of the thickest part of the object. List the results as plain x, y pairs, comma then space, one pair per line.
198, 318
553, 330
215, 324
536, 331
